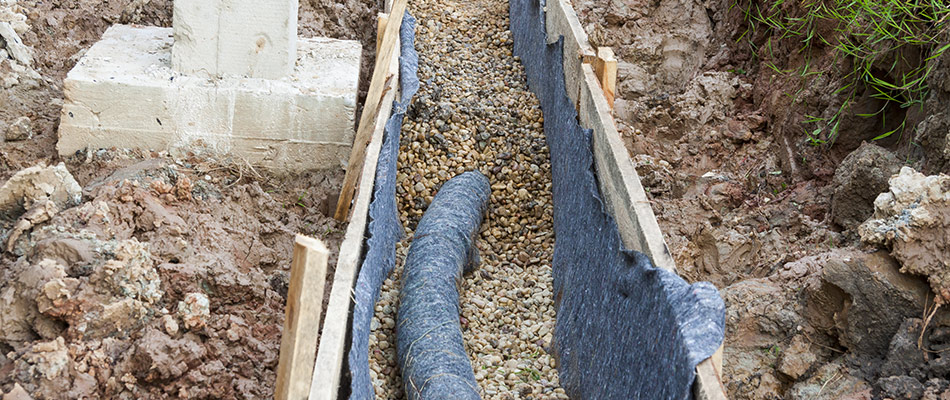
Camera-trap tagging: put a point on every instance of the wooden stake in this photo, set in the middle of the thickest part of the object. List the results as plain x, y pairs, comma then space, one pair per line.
381, 21
708, 384
370, 109
298, 345
605, 66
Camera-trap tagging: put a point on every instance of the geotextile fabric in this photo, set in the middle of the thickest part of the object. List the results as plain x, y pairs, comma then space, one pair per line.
384, 226
625, 329
430, 346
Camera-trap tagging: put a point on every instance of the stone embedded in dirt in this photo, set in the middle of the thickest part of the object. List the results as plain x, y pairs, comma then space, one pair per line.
912, 220
170, 325
32, 185
21, 129
132, 273
932, 134
159, 357
879, 298
20, 320
112, 296
49, 359
903, 356
194, 310
17, 393
797, 358
901, 387
832, 381
760, 313
42, 211
936, 389
859, 179
939, 366
14, 45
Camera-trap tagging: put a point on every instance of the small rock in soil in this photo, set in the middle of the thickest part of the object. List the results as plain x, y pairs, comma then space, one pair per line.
903, 356
21, 129
797, 358
194, 310
880, 299
859, 179
39, 183
901, 387
912, 219
832, 381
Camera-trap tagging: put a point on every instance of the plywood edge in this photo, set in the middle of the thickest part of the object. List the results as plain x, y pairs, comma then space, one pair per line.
627, 202
560, 19
378, 86
330, 355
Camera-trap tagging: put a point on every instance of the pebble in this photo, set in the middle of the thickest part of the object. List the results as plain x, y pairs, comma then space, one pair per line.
21, 129
475, 112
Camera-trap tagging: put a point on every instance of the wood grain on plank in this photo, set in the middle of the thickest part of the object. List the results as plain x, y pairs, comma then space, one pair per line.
381, 20
377, 88
605, 67
298, 344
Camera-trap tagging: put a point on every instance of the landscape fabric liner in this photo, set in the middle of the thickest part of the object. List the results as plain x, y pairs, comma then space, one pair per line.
430, 346
625, 329
384, 227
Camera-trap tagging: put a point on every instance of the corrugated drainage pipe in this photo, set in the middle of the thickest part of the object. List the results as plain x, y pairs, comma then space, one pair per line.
431, 352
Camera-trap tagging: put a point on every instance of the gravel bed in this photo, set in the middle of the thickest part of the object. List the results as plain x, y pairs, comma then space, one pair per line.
474, 112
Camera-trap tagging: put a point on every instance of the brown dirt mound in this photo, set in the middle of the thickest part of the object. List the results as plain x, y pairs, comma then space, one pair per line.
169, 278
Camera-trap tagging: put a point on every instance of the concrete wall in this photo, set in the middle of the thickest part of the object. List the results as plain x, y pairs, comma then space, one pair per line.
124, 93
252, 38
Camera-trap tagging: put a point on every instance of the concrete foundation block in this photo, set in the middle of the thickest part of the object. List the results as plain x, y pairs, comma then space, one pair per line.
124, 93
252, 38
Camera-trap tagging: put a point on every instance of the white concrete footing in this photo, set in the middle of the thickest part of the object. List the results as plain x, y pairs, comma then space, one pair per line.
125, 93
252, 38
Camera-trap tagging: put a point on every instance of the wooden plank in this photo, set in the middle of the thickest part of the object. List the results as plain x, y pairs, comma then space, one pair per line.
709, 384
329, 366
560, 20
381, 21
298, 344
377, 89
627, 201
606, 69
619, 182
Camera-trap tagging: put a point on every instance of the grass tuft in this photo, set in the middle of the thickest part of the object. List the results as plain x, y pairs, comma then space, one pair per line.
890, 45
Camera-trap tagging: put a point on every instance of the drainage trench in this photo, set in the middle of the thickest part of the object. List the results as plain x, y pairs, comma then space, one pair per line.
625, 328
474, 111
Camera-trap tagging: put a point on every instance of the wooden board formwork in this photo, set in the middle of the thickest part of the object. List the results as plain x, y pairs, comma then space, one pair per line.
619, 182
331, 354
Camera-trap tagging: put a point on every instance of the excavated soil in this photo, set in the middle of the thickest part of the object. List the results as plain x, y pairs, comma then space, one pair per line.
746, 203
169, 277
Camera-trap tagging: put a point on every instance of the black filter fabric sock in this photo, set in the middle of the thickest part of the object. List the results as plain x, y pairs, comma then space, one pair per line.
430, 348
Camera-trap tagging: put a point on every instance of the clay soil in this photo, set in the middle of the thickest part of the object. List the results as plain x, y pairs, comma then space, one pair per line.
743, 199
747, 203
181, 230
